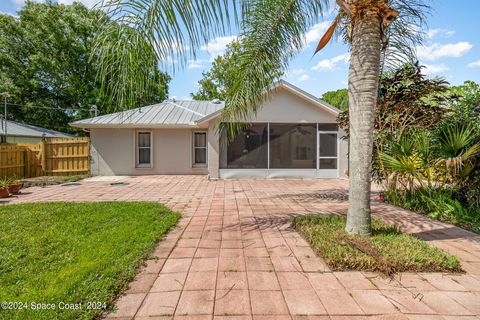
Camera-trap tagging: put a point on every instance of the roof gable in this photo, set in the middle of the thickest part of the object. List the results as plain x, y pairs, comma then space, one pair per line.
282, 84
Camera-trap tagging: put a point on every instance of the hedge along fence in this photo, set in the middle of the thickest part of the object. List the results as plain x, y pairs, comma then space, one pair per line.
50, 157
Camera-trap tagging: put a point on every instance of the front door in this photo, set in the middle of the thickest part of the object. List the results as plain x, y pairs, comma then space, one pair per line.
327, 159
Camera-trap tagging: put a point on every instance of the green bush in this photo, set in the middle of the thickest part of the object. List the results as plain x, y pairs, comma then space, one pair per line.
437, 203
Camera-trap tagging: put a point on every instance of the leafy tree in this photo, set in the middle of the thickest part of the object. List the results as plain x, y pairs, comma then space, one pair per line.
467, 105
47, 66
272, 33
214, 83
337, 98
407, 100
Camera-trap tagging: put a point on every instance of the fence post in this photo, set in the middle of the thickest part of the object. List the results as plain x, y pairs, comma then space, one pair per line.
43, 150
26, 161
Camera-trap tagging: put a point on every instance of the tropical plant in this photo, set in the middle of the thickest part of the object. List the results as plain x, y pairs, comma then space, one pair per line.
271, 33
4, 183
435, 159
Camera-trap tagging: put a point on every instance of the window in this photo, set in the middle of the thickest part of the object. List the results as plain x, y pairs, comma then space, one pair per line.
199, 148
144, 149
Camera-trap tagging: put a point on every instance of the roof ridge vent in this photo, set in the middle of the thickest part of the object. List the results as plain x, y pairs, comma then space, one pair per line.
216, 101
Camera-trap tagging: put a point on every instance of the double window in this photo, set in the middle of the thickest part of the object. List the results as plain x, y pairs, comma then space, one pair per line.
199, 148
144, 149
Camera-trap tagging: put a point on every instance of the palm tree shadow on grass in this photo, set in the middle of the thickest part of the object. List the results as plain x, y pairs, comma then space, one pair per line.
281, 222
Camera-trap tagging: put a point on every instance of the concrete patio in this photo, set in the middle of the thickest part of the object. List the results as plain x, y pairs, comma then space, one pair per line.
234, 255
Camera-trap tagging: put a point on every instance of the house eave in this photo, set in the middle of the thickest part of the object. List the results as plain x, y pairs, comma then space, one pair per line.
135, 126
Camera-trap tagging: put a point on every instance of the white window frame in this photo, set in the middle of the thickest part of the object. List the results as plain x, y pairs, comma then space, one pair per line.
137, 149
199, 165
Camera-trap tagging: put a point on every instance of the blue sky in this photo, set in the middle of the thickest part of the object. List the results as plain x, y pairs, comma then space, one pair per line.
452, 50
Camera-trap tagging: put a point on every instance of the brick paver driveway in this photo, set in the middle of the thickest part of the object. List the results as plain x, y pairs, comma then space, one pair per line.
234, 255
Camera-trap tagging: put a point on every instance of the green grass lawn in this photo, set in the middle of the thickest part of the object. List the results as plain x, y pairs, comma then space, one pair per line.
388, 250
74, 253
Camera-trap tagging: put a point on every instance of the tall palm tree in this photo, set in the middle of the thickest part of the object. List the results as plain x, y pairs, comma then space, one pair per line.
271, 33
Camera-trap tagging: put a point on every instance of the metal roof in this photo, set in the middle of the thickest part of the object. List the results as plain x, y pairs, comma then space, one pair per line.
27, 130
169, 112
180, 112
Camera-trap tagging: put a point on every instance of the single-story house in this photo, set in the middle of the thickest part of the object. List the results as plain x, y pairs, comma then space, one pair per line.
26, 133
293, 135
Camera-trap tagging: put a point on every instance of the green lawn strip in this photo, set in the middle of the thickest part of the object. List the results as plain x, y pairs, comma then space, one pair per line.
74, 253
388, 250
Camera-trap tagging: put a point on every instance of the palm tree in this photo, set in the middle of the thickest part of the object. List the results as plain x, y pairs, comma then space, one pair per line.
271, 33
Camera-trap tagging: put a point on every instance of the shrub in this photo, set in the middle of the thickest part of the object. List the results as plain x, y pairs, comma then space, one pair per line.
437, 203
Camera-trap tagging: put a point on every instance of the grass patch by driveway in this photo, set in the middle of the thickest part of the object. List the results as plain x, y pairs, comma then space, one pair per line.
74, 253
388, 250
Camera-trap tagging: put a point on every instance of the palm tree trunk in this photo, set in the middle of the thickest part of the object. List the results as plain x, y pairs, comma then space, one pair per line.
363, 90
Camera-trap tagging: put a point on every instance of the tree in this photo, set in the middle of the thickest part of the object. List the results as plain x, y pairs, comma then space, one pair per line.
47, 66
337, 98
214, 83
467, 105
272, 32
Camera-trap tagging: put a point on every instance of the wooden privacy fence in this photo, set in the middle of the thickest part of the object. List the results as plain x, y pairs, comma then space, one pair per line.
51, 157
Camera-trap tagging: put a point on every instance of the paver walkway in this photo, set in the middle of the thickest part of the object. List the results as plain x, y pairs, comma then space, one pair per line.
234, 255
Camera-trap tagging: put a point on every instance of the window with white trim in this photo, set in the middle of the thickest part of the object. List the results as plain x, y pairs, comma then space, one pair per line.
144, 149
200, 148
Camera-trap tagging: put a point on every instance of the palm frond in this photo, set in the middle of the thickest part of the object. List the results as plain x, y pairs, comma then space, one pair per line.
143, 34
406, 33
272, 33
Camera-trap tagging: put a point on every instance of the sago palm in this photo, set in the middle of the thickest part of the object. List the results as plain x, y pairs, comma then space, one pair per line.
271, 33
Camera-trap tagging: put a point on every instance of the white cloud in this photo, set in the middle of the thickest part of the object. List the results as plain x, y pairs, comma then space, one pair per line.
331, 64
432, 33
195, 64
304, 77
475, 64
298, 72
217, 46
436, 50
434, 69
316, 32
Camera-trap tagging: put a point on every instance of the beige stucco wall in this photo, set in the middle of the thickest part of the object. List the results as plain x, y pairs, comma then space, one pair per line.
113, 152
285, 106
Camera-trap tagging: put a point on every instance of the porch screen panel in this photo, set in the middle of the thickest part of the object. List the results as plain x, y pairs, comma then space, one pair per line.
293, 146
328, 151
248, 150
